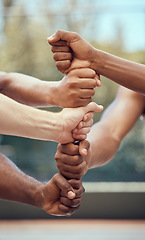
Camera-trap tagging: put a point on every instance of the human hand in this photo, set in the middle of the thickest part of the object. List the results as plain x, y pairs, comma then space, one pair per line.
61, 197
72, 160
76, 88
70, 51
72, 118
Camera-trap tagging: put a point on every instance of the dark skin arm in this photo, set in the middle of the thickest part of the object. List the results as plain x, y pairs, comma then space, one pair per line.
57, 197
71, 51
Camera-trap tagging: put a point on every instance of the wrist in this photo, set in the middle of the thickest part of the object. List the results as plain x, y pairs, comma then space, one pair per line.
48, 125
38, 196
98, 61
50, 94
55, 97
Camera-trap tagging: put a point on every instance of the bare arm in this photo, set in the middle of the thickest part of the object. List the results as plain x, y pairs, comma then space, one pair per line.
126, 73
104, 138
74, 90
21, 120
121, 71
56, 197
117, 120
28, 90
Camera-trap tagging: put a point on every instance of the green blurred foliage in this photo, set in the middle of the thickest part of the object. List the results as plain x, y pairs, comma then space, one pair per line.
24, 49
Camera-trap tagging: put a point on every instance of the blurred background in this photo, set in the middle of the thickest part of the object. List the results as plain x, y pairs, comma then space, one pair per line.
117, 27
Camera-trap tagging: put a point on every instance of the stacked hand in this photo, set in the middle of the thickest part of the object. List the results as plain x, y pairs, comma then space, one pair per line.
73, 56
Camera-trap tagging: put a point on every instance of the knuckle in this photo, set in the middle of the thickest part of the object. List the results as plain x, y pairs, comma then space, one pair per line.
53, 49
55, 56
94, 84
59, 64
80, 168
93, 92
77, 159
58, 32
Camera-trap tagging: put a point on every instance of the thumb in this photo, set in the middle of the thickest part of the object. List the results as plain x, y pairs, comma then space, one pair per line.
64, 186
93, 107
84, 147
63, 35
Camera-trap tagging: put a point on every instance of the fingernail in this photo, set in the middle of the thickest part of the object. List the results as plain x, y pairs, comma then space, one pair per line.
84, 151
100, 106
71, 194
50, 38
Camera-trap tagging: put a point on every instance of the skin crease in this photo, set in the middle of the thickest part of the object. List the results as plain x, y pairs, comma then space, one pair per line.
118, 119
39, 124
22, 94
44, 125
106, 135
20, 97
57, 197
73, 90
83, 55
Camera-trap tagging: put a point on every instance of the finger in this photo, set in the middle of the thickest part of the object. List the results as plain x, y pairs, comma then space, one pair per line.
81, 131
63, 35
84, 147
86, 93
78, 169
98, 80
63, 185
93, 107
88, 116
62, 66
78, 191
69, 175
68, 160
58, 49
80, 136
83, 73
82, 102
62, 56
70, 203
76, 184
58, 43
68, 211
83, 124
86, 83
69, 149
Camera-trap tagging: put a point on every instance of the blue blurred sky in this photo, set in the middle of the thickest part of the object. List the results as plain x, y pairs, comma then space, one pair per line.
128, 14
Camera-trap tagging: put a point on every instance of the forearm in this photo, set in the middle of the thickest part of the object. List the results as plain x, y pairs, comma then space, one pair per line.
28, 90
117, 120
21, 120
17, 186
121, 71
103, 145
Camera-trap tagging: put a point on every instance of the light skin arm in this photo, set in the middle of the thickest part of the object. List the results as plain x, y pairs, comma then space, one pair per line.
117, 120
21, 120
119, 70
57, 197
74, 90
